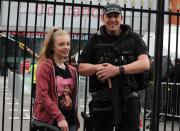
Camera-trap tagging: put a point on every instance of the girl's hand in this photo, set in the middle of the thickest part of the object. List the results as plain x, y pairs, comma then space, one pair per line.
63, 125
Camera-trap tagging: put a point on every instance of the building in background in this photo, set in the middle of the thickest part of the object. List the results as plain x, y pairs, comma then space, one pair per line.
45, 17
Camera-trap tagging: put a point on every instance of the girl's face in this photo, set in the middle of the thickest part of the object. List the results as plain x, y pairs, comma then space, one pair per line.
62, 46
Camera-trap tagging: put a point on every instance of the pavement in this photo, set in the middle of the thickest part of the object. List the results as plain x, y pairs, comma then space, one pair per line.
15, 124
24, 124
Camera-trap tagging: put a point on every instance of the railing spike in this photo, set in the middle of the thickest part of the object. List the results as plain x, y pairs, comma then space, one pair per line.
133, 2
142, 2
150, 3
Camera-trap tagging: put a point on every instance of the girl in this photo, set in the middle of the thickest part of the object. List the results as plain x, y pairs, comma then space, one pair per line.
56, 98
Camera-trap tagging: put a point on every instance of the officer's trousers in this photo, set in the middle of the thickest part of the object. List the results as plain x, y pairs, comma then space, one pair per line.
130, 119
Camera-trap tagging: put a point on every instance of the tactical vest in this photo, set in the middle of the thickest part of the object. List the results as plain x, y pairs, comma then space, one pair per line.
117, 53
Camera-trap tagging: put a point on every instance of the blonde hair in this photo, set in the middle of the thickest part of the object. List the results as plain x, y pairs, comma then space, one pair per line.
48, 44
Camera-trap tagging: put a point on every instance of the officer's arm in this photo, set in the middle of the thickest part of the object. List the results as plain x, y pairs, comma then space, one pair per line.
87, 69
141, 64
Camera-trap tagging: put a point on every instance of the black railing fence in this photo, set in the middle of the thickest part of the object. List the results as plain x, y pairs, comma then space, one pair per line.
23, 26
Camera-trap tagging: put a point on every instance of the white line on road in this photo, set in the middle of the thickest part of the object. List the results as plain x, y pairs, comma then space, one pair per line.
15, 118
8, 98
10, 103
25, 110
18, 118
81, 106
14, 109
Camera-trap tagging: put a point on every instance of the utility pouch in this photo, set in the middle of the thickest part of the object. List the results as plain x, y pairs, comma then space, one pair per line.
142, 80
100, 108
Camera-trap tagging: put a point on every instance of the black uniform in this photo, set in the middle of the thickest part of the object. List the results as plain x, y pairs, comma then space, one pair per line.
117, 50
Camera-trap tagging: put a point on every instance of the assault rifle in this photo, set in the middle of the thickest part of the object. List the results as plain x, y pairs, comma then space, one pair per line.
116, 94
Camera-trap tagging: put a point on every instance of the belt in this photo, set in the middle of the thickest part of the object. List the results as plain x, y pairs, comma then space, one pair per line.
101, 93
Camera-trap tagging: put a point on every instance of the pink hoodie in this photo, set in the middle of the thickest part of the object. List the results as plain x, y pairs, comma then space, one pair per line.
46, 101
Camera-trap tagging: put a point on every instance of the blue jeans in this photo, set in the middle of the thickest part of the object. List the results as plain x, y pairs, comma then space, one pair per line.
73, 128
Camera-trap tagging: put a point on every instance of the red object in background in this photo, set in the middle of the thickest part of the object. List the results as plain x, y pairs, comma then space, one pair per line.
141, 124
174, 5
27, 66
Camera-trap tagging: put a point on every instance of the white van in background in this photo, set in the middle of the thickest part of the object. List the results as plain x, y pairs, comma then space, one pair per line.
166, 38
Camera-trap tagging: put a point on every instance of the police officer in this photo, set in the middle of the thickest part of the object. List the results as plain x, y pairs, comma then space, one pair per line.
124, 42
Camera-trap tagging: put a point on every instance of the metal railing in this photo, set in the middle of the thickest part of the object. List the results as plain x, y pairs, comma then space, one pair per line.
24, 25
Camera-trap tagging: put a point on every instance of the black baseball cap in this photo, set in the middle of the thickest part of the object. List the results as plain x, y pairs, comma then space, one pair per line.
109, 8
